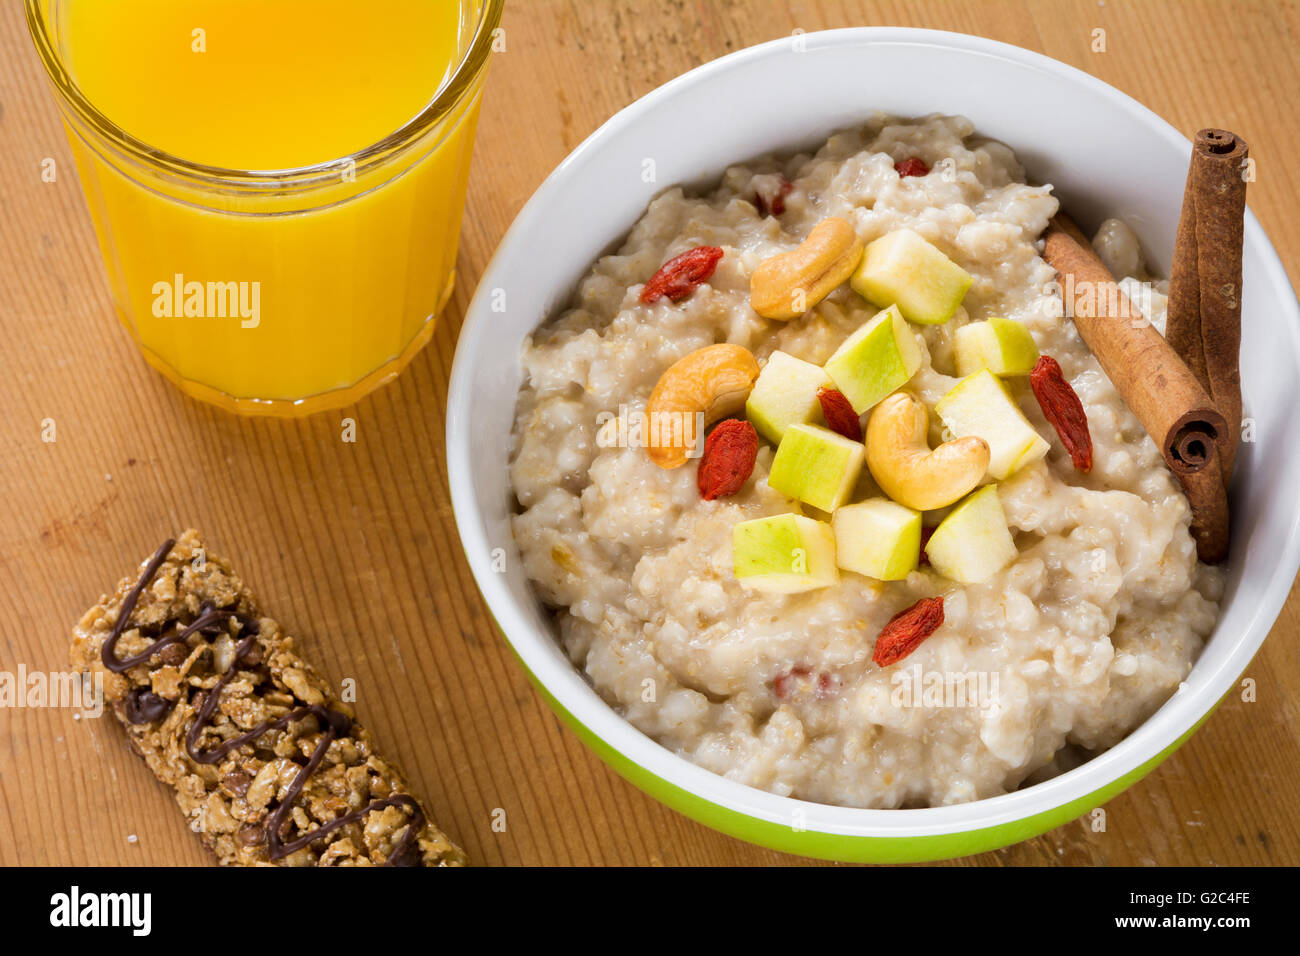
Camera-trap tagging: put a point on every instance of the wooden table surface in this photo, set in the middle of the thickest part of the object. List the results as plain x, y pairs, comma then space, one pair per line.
353, 546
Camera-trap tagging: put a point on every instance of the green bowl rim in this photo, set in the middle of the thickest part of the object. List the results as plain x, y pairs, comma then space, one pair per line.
844, 848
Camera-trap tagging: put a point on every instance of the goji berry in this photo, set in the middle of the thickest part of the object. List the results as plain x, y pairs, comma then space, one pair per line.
1061, 406
678, 277
906, 630
839, 414
774, 201
926, 533
728, 460
912, 166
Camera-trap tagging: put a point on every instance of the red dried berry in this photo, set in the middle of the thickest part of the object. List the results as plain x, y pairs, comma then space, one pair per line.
827, 686
1061, 406
783, 685
839, 414
774, 201
678, 277
824, 686
925, 539
906, 630
912, 166
728, 460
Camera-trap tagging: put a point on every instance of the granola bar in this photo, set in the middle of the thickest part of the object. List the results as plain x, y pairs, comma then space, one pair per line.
269, 767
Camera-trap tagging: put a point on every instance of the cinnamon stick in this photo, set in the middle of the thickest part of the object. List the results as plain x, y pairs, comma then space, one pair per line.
1208, 497
1154, 382
1204, 317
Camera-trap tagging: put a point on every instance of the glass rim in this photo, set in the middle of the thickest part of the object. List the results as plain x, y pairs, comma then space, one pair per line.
451, 92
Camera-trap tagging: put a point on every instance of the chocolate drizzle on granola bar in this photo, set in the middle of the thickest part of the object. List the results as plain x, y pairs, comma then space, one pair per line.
144, 706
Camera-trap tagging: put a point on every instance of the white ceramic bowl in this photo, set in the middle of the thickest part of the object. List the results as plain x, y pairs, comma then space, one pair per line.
1105, 154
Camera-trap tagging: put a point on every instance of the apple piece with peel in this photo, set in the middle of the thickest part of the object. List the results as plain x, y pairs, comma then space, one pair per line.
784, 395
1003, 346
816, 466
876, 359
903, 269
973, 543
980, 405
878, 538
784, 554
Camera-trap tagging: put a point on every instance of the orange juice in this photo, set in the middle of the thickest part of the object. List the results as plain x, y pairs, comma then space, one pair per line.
276, 186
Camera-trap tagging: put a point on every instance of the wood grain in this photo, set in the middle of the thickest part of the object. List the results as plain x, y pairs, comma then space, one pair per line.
353, 545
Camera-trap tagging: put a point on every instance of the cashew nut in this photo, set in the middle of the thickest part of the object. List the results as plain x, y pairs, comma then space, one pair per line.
697, 390
787, 285
900, 459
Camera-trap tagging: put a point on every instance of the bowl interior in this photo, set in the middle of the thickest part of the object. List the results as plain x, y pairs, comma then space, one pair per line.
1105, 154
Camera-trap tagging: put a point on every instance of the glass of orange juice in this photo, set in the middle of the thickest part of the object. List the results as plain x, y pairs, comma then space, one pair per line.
276, 187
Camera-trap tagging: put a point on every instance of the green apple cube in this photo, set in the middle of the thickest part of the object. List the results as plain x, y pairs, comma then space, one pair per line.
973, 543
1003, 346
784, 395
816, 466
981, 405
902, 268
876, 359
784, 554
878, 538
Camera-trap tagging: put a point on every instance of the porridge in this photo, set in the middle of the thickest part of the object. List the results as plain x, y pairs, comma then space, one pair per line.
1051, 596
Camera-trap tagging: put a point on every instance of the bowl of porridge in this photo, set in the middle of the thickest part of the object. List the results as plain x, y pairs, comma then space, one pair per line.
891, 608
